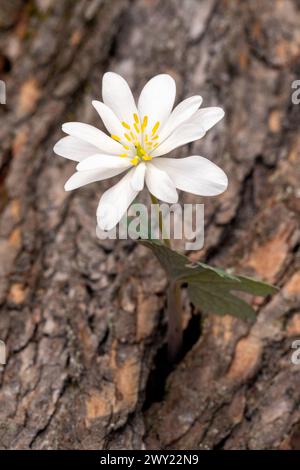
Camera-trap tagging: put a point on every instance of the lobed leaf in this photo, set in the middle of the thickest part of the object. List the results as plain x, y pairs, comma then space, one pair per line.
210, 288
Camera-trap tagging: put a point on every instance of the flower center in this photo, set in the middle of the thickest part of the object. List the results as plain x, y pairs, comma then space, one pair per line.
136, 135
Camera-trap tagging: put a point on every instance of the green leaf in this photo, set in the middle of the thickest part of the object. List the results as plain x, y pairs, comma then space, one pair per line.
205, 273
219, 301
173, 262
209, 288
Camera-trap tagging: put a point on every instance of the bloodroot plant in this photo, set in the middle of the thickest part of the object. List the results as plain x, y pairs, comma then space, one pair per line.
139, 136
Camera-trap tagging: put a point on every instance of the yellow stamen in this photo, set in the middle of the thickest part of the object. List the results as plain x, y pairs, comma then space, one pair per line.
146, 137
135, 160
155, 145
132, 136
128, 137
124, 124
123, 155
145, 122
136, 118
126, 147
155, 138
147, 157
136, 128
155, 127
115, 137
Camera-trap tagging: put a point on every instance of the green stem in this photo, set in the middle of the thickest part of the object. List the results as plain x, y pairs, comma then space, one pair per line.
174, 306
165, 238
174, 312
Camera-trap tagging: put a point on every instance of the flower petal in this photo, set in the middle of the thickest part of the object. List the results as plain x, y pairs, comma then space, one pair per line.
114, 202
194, 174
74, 149
157, 99
138, 177
93, 136
81, 178
180, 114
118, 97
160, 184
187, 132
110, 120
104, 162
207, 117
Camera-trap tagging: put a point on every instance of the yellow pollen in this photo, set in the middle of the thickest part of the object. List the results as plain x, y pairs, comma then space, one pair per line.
115, 137
145, 122
155, 127
148, 141
135, 160
124, 124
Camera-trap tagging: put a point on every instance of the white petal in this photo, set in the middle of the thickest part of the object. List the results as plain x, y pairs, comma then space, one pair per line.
81, 178
104, 162
194, 174
187, 132
118, 97
207, 117
114, 202
110, 120
180, 114
93, 136
74, 149
160, 184
157, 99
138, 177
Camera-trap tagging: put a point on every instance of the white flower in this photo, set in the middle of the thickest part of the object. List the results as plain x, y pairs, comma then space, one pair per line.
138, 135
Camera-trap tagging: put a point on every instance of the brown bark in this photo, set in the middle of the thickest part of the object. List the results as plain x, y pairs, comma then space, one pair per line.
83, 318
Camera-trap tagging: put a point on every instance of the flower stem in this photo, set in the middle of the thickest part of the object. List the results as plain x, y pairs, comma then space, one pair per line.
165, 238
174, 306
174, 321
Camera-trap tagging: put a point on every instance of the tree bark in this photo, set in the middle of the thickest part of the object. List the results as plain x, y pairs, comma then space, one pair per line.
83, 318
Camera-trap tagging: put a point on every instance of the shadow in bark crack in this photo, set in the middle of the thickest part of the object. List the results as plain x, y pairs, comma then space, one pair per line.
155, 388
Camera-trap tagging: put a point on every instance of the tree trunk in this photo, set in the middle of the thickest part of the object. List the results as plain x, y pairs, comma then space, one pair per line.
83, 318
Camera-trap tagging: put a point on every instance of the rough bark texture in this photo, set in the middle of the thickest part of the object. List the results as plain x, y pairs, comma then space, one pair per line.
83, 318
